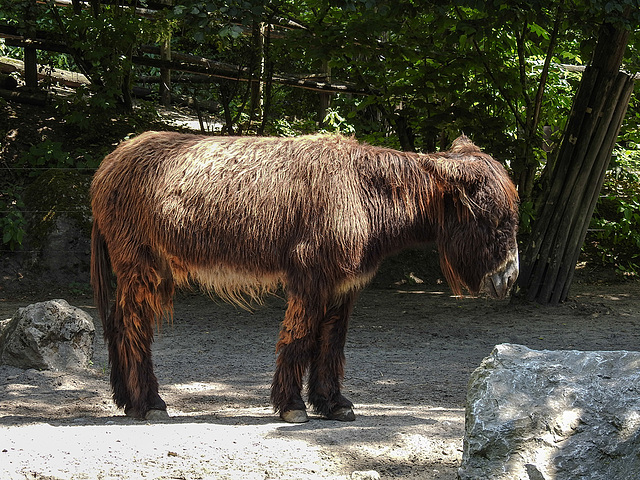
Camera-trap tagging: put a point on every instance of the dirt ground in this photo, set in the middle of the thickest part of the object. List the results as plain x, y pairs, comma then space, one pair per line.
409, 356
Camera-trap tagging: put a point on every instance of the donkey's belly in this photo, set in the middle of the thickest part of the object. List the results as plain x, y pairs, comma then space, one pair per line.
234, 285
241, 286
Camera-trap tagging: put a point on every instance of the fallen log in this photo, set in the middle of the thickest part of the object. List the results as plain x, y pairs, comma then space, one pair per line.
63, 77
24, 96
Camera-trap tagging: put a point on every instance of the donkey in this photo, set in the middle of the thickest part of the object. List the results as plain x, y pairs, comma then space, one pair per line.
243, 216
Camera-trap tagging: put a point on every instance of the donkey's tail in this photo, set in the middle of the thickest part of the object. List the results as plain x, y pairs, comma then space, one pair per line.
101, 275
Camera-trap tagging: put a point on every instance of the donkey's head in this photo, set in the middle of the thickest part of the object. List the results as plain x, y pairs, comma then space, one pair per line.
499, 283
477, 234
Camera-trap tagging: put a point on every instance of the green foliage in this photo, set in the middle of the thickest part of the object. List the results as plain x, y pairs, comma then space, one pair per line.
54, 185
336, 123
80, 288
24, 14
46, 154
107, 62
527, 216
617, 241
51, 154
12, 222
218, 18
57, 193
101, 42
284, 127
615, 235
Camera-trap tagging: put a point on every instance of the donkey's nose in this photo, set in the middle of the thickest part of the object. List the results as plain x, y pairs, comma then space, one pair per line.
499, 283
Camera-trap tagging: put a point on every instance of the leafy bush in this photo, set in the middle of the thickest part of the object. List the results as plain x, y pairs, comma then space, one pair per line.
12, 221
45, 154
55, 179
51, 154
615, 226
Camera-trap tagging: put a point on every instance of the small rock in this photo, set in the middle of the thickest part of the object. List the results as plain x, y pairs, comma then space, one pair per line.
3, 324
49, 335
365, 475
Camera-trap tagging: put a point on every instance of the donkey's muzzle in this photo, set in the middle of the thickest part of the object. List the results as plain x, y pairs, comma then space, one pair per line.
499, 283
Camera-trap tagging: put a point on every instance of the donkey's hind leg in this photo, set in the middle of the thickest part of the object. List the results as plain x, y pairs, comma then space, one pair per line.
135, 387
327, 367
140, 299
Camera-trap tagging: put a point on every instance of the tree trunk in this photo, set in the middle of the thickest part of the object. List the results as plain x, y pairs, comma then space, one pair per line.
257, 72
325, 98
226, 95
267, 79
30, 53
165, 73
552, 251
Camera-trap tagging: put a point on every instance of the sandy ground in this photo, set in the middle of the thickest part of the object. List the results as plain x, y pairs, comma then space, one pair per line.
409, 356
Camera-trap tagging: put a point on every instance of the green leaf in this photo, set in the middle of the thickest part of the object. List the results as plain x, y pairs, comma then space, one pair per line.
538, 30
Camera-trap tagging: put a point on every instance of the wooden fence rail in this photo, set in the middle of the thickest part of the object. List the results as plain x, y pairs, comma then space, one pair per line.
148, 55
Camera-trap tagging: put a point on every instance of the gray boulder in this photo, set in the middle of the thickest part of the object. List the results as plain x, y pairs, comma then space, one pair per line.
561, 415
49, 335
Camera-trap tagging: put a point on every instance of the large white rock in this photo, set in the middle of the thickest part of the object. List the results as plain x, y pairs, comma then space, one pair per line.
561, 415
49, 335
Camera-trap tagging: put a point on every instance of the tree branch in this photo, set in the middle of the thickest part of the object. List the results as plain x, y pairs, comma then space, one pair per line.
494, 80
537, 106
496, 84
522, 64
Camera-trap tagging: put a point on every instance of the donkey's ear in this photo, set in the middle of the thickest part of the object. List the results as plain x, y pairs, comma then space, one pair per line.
462, 145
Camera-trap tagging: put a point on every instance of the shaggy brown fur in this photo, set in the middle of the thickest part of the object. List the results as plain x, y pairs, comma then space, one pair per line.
315, 214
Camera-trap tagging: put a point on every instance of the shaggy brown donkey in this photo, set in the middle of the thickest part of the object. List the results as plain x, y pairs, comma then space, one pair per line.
315, 214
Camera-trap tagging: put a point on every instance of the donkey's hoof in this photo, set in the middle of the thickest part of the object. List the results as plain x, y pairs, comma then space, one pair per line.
155, 414
295, 416
342, 414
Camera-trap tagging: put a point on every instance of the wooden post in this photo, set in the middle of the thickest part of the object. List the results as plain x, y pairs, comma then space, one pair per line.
625, 85
549, 258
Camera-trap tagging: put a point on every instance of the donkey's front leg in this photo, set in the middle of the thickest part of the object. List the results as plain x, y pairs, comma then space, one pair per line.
295, 349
